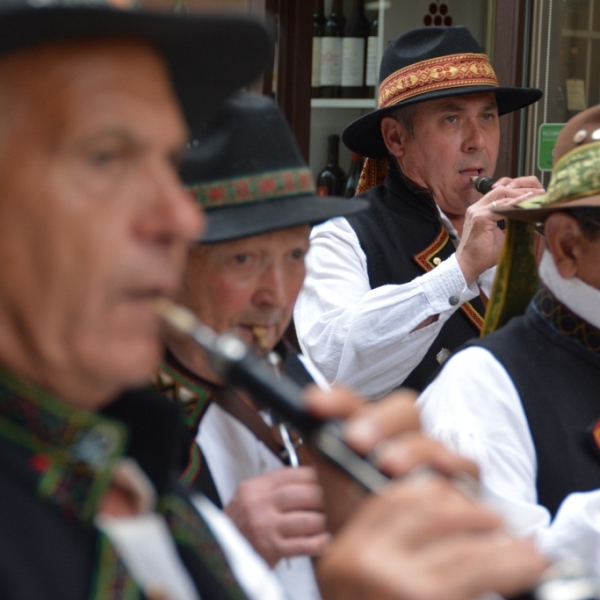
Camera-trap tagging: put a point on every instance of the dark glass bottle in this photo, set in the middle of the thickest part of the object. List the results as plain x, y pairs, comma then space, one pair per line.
317, 38
332, 178
356, 165
356, 33
331, 53
372, 67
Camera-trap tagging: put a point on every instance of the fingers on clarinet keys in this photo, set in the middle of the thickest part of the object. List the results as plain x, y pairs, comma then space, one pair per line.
464, 482
502, 223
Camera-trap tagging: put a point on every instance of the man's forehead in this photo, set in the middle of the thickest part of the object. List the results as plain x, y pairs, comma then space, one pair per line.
485, 101
75, 81
278, 237
62, 56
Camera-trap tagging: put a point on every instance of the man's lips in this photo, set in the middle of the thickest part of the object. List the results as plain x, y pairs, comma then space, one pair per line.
472, 172
249, 332
151, 290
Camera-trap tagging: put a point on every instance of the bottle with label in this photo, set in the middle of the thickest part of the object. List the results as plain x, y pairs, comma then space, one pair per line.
356, 33
372, 67
332, 178
331, 52
356, 165
318, 31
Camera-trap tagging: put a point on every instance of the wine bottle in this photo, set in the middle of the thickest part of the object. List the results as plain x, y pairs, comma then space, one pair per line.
372, 68
318, 30
356, 165
356, 33
331, 52
331, 179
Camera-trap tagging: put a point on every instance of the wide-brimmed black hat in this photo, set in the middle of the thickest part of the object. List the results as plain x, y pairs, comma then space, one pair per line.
426, 64
247, 171
209, 57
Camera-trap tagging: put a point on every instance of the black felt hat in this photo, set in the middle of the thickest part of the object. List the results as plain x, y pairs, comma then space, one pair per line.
209, 57
245, 168
426, 64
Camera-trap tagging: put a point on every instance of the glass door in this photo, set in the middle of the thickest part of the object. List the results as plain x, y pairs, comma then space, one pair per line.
565, 62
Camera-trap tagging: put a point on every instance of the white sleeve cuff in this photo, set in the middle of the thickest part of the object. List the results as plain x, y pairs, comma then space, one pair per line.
446, 288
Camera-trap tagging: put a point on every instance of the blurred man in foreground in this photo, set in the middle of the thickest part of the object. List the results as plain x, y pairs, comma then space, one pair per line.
94, 226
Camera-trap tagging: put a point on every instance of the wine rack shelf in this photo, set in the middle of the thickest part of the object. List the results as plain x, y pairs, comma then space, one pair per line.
342, 103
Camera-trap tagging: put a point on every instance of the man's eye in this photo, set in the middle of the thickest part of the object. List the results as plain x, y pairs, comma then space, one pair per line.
241, 259
451, 119
103, 158
488, 116
298, 254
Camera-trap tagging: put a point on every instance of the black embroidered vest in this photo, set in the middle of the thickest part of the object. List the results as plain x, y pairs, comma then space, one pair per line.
56, 463
553, 359
402, 238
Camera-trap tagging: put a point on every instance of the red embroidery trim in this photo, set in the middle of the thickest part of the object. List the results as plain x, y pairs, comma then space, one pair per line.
457, 70
425, 260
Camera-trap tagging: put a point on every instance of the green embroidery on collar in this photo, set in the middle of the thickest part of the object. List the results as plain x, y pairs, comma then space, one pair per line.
565, 322
79, 449
194, 408
112, 581
191, 472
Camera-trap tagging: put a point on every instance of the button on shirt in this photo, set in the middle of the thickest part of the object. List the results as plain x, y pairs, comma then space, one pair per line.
365, 338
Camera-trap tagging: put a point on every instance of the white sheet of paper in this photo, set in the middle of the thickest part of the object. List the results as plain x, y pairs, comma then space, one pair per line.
576, 94
144, 544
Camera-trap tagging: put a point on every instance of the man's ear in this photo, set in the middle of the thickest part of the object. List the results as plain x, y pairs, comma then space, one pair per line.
565, 242
393, 133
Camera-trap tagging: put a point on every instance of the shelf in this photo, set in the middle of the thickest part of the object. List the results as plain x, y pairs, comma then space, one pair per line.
342, 103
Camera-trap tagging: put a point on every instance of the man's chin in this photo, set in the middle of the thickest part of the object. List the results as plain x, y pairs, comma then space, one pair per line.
127, 366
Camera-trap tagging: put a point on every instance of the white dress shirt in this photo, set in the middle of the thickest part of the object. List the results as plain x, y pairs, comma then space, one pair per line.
233, 454
364, 338
474, 409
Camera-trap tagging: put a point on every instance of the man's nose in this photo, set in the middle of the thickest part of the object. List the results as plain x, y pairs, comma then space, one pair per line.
475, 137
272, 289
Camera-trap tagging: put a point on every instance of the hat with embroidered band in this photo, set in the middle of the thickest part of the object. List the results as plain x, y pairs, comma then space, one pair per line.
575, 177
247, 172
209, 57
426, 64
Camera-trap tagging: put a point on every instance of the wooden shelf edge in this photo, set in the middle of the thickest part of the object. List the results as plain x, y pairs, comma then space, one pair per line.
342, 103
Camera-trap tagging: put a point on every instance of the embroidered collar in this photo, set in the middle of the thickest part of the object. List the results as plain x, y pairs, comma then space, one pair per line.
71, 452
564, 321
181, 386
191, 392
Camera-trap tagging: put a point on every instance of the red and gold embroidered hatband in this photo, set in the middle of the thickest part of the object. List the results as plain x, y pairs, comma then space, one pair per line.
455, 70
255, 188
